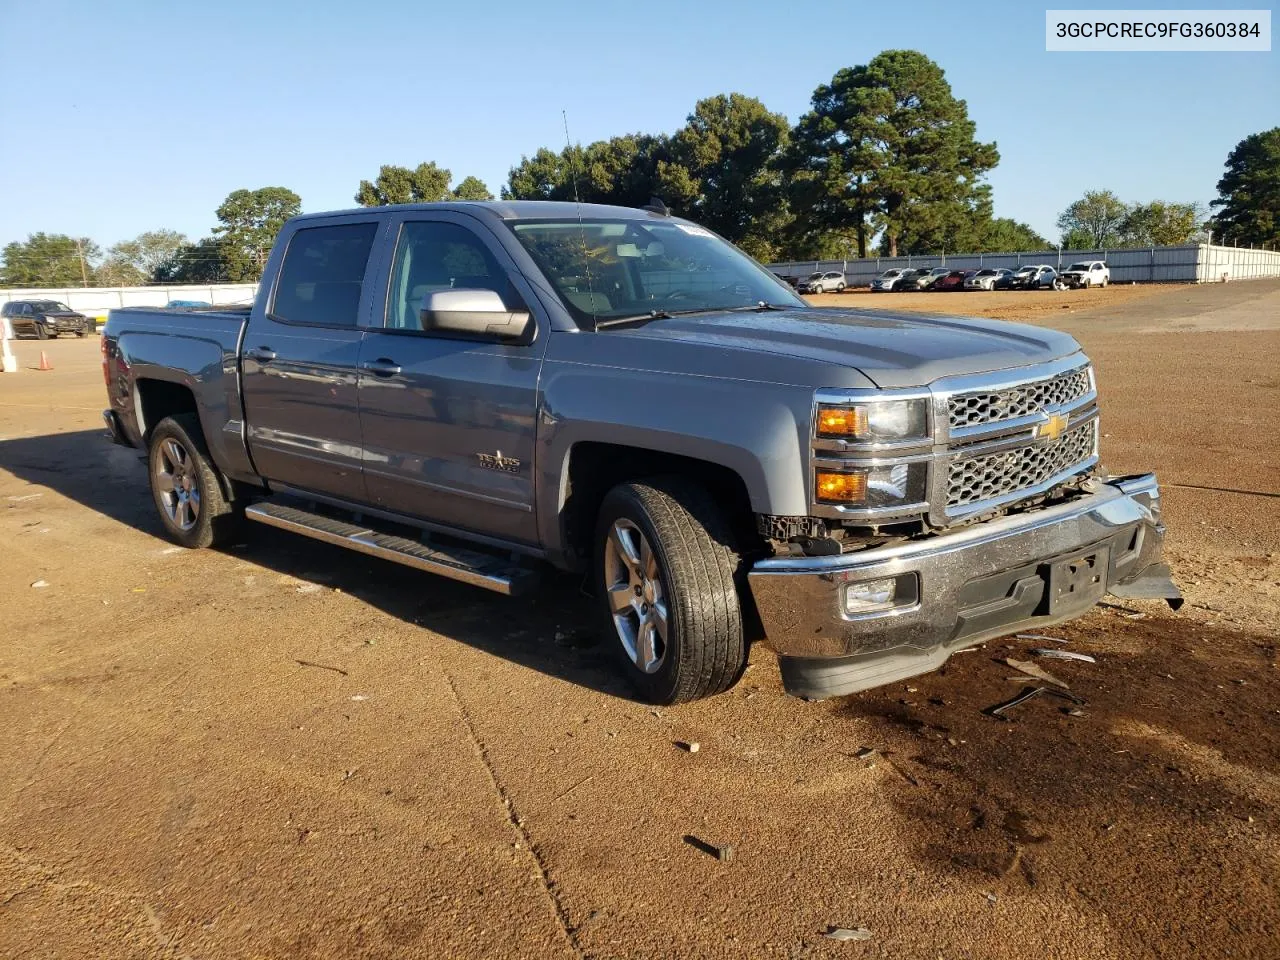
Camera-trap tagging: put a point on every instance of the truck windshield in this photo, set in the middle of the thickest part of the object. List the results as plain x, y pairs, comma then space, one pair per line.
610, 269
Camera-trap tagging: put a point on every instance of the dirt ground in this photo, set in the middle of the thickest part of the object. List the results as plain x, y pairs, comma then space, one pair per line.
285, 750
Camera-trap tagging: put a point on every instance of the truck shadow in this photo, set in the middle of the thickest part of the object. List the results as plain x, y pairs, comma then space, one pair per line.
550, 630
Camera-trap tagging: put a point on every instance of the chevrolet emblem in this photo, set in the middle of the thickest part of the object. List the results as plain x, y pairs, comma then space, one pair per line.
1054, 426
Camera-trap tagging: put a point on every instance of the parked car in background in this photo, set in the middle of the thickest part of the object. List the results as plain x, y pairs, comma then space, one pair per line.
789, 281
1034, 276
832, 281
909, 279
43, 319
985, 279
1086, 273
951, 280
926, 278
1008, 281
891, 279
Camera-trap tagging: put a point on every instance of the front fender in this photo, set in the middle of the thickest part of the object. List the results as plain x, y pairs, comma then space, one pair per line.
757, 430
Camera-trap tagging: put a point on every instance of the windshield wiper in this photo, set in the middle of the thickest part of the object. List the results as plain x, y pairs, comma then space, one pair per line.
672, 314
760, 307
651, 315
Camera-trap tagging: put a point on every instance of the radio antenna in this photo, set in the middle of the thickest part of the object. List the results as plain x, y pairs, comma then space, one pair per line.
582, 232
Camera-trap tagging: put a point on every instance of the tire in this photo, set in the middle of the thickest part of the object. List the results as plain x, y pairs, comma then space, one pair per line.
177, 448
82, 334
840, 288
691, 573
42, 332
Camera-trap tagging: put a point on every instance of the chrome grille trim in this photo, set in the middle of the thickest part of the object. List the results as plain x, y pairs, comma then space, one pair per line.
976, 480
982, 407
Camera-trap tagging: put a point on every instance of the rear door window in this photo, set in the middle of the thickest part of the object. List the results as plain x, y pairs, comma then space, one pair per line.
322, 277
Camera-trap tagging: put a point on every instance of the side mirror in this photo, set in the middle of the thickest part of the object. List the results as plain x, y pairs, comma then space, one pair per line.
478, 314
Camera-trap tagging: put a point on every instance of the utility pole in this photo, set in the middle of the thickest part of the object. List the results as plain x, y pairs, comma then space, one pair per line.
84, 274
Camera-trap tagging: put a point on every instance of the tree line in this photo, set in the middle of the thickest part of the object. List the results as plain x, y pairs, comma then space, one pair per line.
885, 161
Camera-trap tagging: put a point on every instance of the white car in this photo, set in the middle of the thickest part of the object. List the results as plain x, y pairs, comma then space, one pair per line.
1086, 273
891, 279
986, 278
832, 281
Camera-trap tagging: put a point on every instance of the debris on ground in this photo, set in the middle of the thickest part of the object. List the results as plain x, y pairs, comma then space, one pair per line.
1039, 636
723, 854
1054, 654
845, 933
40, 584
1031, 670
359, 698
26, 497
689, 747
866, 753
991, 897
320, 666
998, 710
1072, 711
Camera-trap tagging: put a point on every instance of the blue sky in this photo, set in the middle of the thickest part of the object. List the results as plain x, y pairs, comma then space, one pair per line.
136, 115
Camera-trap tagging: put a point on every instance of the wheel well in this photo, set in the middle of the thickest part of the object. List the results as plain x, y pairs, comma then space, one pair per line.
158, 399
596, 468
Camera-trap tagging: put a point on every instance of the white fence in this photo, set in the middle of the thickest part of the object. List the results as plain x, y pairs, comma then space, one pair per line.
1190, 263
96, 301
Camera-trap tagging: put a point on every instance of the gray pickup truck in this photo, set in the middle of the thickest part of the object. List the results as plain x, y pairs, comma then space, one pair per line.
480, 389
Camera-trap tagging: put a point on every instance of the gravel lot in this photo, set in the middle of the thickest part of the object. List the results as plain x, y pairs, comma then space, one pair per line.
286, 750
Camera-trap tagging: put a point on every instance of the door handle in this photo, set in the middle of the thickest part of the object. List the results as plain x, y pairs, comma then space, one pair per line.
261, 354
382, 367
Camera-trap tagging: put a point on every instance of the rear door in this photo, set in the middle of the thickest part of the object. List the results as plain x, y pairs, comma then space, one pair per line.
300, 357
449, 424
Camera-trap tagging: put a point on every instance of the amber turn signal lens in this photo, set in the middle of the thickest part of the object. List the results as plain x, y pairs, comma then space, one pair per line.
842, 421
841, 487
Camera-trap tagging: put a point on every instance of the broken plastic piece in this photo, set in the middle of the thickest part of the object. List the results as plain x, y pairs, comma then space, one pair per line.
845, 933
998, 711
1053, 654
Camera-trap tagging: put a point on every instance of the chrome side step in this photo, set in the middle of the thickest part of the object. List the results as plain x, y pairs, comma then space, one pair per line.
499, 574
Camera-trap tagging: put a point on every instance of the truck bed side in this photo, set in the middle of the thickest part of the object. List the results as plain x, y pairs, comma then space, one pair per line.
163, 362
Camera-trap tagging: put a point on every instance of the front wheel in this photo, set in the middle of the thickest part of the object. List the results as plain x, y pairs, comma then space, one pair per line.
185, 484
666, 570
42, 332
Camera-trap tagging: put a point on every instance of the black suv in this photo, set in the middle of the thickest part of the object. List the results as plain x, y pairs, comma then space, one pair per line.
43, 319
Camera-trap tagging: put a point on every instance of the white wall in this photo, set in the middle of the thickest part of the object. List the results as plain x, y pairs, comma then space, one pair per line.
96, 301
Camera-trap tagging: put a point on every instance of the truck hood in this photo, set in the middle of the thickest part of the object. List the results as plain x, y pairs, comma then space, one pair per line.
891, 349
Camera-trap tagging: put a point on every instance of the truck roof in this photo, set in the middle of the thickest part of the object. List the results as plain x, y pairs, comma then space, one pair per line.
508, 209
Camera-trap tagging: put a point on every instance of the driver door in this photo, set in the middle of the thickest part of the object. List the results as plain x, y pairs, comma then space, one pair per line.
449, 424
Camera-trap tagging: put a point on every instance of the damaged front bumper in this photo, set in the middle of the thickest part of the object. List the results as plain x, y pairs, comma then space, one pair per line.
959, 589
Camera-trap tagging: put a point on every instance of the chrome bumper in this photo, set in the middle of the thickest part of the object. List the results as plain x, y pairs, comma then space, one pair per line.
979, 582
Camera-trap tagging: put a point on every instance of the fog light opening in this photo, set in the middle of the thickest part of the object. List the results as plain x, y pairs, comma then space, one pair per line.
878, 596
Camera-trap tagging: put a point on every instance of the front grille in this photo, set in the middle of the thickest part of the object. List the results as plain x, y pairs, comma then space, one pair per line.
982, 478
1025, 399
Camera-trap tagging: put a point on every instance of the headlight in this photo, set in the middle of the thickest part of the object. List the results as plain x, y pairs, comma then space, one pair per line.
876, 421
871, 487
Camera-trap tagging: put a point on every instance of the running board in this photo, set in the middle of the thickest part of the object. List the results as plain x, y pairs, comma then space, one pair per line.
499, 574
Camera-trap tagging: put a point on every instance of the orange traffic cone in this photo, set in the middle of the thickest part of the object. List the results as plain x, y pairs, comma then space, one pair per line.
44, 361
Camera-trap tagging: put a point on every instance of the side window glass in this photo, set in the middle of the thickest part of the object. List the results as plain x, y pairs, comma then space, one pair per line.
322, 275
434, 255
